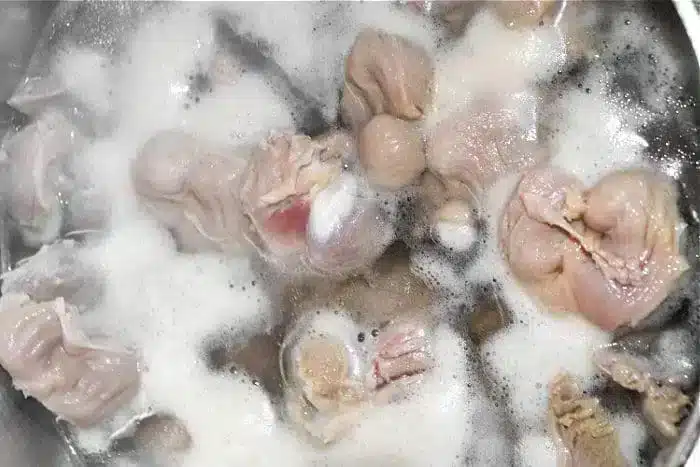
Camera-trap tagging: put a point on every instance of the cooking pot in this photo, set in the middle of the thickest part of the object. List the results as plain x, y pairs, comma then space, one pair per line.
30, 436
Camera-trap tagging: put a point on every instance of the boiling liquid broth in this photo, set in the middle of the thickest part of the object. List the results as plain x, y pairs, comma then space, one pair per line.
485, 403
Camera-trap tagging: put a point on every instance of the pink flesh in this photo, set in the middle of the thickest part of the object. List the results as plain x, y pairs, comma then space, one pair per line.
292, 220
402, 352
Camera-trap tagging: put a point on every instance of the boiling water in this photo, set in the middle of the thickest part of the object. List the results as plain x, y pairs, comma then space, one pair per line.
167, 305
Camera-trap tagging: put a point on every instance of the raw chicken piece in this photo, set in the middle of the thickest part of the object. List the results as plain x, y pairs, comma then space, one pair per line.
333, 372
538, 254
636, 213
283, 176
663, 405
38, 158
192, 188
391, 152
308, 215
385, 73
580, 427
380, 341
609, 253
348, 228
477, 146
56, 270
50, 359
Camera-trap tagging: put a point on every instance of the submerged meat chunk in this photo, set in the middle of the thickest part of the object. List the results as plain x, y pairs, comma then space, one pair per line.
478, 145
50, 359
307, 213
581, 428
38, 159
192, 188
385, 73
56, 270
610, 253
663, 405
334, 372
391, 152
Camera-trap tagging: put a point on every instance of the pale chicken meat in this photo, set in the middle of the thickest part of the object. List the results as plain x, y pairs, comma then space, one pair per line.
581, 429
354, 346
663, 405
308, 214
192, 188
391, 152
385, 74
38, 158
50, 358
332, 374
474, 147
56, 270
610, 253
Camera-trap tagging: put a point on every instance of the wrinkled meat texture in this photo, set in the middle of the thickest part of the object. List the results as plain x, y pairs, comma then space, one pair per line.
581, 429
282, 178
50, 359
192, 188
56, 270
609, 253
476, 147
38, 159
391, 152
385, 73
663, 405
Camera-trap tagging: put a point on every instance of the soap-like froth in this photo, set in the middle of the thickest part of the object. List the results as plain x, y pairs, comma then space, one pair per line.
591, 134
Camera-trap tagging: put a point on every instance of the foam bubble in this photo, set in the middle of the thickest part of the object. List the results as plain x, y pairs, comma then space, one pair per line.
536, 450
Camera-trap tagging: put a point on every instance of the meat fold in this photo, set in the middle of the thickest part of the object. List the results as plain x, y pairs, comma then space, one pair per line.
610, 253
51, 359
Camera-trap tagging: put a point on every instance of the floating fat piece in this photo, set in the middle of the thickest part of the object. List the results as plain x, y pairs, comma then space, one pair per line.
348, 230
38, 159
50, 358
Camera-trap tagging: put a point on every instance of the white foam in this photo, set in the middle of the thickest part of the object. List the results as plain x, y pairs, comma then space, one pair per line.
323, 34
536, 450
493, 59
86, 75
630, 429
332, 205
528, 356
458, 237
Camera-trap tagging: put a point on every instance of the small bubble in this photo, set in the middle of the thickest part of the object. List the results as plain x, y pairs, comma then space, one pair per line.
375, 332
361, 337
627, 22
588, 90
